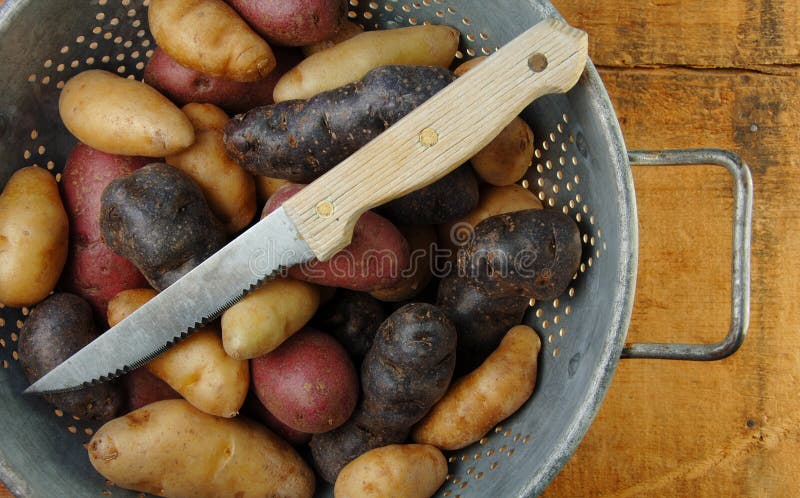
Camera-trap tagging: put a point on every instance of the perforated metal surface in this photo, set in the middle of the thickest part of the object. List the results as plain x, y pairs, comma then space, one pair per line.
579, 167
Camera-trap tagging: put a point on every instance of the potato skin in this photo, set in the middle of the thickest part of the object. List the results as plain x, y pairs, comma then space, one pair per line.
205, 116
143, 388
347, 30
531, 253
506, 159
422, 241
309, 382
57, 328
210, 37
481, 319
435, 203
229, 189
293, 24
93, 271
121, 116
353, 319
406, 371
490, 394
373, 260
183, 85
197, 367
398, 470
158, 218
424, 45
34, 237
301, 140
266, 317
171, 449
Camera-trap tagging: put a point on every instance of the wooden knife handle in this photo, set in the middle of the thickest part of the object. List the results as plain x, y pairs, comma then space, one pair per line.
439, 135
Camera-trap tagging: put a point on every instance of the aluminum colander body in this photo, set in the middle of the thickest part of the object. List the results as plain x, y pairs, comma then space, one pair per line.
580, 167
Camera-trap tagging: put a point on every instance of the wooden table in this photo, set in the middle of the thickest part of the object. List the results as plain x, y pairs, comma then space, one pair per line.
687, 73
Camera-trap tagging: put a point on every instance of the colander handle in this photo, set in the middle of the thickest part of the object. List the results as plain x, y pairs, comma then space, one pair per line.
740, 268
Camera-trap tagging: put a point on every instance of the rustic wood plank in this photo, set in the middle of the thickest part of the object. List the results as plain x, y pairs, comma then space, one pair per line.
711, 429
754, 34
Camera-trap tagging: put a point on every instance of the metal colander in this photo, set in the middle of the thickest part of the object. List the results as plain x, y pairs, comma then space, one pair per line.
580, 166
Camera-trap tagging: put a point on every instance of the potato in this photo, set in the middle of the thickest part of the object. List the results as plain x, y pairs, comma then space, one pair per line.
479, 401
121, 116
407, 370
301, 140
467, 65
481, 319
266, 317
143, 388
493, 201
435, 203
170, 448
34, 237
424, 45
229, 190
398, 470
254, 409
205, 116
373, 260
93, 271
266, 187
295, 23
352, 318
419, 272
197, 367
158, 218
183, 85
532, 253
508, 156
347, 30
58, 327
210, 37
309, 382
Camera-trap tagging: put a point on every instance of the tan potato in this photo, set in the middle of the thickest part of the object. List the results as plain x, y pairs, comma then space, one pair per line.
170, 448
350, 60
121, 116
397, 470
493, 201
486, 396
205, 116
268, 316
34, 237
266, 186
197, 367
508, 156
419, 272
228, 188
210, 37
467, 65
347, 30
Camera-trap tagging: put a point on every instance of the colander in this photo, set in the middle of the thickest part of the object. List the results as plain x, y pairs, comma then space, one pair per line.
580, 166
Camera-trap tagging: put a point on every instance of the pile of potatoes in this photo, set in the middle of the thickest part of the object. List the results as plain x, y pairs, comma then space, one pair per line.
376, 370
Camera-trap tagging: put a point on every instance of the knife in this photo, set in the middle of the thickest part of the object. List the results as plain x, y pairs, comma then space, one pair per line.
422, 147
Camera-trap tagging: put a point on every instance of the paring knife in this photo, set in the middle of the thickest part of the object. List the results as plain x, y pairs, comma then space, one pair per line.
425, 145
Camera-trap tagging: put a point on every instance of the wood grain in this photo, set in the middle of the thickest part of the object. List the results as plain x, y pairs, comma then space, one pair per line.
670, 429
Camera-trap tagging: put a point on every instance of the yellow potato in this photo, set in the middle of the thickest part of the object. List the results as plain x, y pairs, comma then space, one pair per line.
210, 37
467, 65
397, 471
508, 156
266, 186
486, 396
34, 237
350, 60
205, 116
268, 316
170, 448
493, 201
228, 188
197, 367
347, 30
121, 116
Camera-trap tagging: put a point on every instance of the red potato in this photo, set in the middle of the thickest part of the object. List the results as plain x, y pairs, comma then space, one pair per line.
183, 85
309, 382
374, 259
293, 24
93, 271
254, 409
143, 388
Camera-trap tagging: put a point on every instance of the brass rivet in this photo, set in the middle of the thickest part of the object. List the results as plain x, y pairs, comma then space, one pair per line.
537, 62
325, 209
428, 137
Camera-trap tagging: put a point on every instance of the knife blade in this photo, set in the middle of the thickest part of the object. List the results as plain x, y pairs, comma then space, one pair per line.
422, 147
